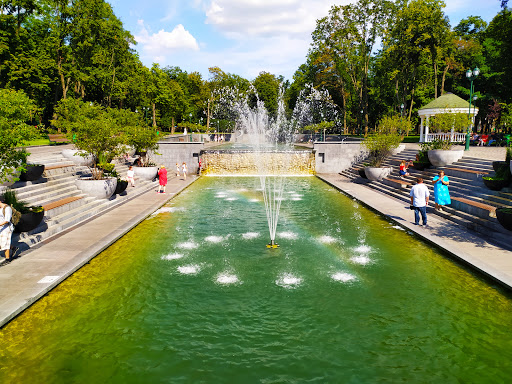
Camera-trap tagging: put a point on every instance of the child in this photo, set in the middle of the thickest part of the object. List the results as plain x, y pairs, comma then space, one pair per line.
403, 169
130, 176
177, 170
184, 170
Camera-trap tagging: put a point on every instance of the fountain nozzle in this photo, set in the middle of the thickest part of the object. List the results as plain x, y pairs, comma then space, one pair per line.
272, 245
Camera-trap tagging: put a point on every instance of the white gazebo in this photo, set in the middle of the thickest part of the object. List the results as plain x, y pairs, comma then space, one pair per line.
448, 103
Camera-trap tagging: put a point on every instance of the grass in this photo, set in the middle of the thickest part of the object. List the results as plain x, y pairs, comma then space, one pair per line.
37, 142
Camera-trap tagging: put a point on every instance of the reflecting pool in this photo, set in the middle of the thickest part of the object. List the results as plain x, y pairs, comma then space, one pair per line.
193, 295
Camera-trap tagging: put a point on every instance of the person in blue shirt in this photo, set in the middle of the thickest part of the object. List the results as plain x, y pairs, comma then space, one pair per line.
441, 193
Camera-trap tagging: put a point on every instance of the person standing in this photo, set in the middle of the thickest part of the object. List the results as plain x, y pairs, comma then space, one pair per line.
130, 176
419, 200
162, 179
6, 228
184, 171
177, 170
441, 193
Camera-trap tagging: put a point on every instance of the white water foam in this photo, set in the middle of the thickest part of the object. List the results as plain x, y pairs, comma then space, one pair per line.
296, 199
343, 277
363, 260
187, 245
167, 210
227, 278
288, 235
189, 269
250, 235
214, 239
326, 239
172, 256
292, 192
254, 200
231, 199
398, 227
289, 281
363, 249
221, 195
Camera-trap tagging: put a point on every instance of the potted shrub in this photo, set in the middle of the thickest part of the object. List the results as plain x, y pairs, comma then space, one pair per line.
441, 153
503, 166
144, 140
500, 180
504, 216
379, 147
422, 161
30, 172
31, 217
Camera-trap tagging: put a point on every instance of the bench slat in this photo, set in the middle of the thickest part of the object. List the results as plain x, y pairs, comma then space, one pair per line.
59, 203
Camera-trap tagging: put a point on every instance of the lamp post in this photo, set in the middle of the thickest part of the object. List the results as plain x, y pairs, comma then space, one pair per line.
471, 75
361, 124
190, 117
402, 106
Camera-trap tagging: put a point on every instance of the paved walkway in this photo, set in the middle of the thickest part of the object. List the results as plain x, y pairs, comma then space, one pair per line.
43, 267
466, 246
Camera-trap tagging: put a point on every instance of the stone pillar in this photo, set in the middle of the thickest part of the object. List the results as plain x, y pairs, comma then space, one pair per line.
421, 130
426, 129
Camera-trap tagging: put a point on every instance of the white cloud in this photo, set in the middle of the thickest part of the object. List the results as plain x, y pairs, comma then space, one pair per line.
267, 18
163, 43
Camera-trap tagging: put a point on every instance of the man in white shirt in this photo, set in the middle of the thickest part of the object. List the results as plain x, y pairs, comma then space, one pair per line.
419, 200
6, 228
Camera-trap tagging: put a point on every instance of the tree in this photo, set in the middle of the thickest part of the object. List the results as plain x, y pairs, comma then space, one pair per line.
16, 110
267, 89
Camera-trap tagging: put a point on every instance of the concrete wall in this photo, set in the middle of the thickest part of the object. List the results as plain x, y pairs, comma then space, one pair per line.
336, 157
170, 153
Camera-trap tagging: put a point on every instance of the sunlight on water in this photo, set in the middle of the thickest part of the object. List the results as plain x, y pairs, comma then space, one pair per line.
363, 249
327, 239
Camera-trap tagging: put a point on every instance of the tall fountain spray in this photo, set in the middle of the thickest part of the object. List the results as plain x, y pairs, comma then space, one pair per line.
268, 134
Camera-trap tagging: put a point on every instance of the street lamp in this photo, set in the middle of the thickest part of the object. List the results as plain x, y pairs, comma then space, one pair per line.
190, 117
471, 75
361, 124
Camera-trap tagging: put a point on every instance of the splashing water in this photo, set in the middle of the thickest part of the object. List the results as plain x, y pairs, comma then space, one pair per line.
214, 239
250, 235
189, 269
172, 256
187, 245
343, 277
227, 278
287, 280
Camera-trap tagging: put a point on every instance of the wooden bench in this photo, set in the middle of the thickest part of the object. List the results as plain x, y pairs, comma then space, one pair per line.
482, 206
49, 168
59, 203
58, 138
393, 182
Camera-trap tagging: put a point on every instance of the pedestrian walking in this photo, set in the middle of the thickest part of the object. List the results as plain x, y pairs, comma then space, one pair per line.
441, 192
419, 200
162, 179
6, 229
184, 170
177, 170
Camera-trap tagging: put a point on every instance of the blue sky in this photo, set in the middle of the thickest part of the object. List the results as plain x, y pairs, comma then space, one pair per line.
244, 37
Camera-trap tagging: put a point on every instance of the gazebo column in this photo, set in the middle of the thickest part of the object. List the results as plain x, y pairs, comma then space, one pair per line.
426, 129
421, 130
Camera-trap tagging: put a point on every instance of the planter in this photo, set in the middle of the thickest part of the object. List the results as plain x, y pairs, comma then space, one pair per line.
361, 173
121, 186
33, 172
495, 184
421, 165
504, 216
377, 174
100, 189
73, 155
500, 166
444, 157
29, 221
145, 173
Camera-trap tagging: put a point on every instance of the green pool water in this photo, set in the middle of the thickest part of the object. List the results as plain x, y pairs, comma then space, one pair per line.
192, 295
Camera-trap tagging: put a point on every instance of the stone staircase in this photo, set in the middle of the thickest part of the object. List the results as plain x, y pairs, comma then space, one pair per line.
65, 205
473, 204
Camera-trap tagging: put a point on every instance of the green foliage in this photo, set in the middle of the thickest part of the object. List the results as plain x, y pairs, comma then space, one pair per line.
12, 200
395, 124
192, 128
508, 155
16, 110
445, 122
318, 127
440, 144
380, 146
143, 139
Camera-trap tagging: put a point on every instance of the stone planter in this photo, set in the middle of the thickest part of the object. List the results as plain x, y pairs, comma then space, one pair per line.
73, 155
29, 221
362, 173
33, 172
121, 186
100, 189
444, 157
495, 184
504, 216
145, 173
377, 174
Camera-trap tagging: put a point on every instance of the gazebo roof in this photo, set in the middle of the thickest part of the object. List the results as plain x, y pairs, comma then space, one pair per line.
447, 101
